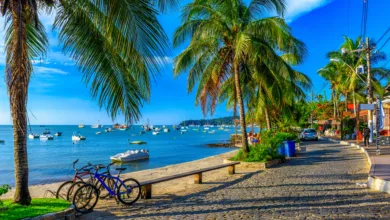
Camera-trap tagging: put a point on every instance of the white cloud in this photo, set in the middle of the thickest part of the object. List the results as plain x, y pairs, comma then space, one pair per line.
297, 8
48, 71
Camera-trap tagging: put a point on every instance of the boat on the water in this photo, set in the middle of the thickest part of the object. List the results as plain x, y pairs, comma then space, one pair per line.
47, 131
81, 125
131, 155
33, 136
2, 141
98, 132
155, 133
108, 130
123, 129
78, 137
45, 137
96, 125
212, 132
58, 134
138, 142
166, 130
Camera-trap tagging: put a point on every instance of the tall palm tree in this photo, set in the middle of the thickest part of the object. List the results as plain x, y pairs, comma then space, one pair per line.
117, 45
224, 36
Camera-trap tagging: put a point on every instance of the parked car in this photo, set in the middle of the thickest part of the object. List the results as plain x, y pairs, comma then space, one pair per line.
309, 134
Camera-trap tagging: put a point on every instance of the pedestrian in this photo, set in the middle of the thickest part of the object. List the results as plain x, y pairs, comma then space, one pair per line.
366, 135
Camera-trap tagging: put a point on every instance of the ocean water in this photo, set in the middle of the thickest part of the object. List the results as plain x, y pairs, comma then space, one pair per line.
51, 161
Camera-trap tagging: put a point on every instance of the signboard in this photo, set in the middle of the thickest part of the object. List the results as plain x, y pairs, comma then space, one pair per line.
367, 107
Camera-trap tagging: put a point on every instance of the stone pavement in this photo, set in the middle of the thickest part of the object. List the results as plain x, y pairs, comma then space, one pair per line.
319, 184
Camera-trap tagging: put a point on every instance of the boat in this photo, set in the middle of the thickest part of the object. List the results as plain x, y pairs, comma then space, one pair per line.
131, 155
138, 142
98, 132
157, 129
155, 133
166, 130
2, 141
33, 136
81, 125
47, 131
123, 129
108, 130
58, 134
96, 125
183, 130
142, 132
45, 137
120, 127
77, 137
212, 132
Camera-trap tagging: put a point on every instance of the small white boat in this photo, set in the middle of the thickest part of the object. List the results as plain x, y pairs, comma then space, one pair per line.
98, 132
166, 130
155, 133
157, 129
138, 142
78, 137
131, 155
96, 125
183, 130
45, 137
123, 129
212, 132
58, 134
33, 136
108, 130
81, 125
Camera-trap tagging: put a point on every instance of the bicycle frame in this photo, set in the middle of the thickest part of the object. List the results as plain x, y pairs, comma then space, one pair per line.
102, 177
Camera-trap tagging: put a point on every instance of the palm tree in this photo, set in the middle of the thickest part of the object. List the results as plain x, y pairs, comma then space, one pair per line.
117, 45
224, 37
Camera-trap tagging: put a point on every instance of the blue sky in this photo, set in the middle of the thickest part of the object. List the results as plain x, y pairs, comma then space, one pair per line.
58, 96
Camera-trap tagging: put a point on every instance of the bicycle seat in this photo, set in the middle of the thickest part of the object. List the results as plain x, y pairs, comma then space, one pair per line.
120, 169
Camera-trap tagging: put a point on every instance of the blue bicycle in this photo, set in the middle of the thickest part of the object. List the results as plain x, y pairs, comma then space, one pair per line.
127, 191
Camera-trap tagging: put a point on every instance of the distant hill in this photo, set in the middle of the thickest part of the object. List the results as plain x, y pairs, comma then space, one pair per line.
216, 121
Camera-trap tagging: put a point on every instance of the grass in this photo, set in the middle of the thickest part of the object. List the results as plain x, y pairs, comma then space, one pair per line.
38, 207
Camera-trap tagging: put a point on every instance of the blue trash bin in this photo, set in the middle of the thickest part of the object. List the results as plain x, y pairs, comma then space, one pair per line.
281, 150
289, 147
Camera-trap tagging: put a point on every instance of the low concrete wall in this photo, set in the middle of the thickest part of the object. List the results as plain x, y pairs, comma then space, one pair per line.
256, 165
68, 214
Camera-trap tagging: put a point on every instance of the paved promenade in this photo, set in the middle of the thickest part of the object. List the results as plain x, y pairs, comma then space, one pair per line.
319, 184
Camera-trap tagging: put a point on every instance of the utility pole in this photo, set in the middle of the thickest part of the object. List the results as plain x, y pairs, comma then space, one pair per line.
369, 88
312, 103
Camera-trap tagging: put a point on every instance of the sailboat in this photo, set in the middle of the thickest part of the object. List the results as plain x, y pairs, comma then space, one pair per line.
81, 125
31, 135
96, 125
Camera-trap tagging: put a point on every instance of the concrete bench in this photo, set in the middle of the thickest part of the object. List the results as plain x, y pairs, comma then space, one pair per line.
146, 186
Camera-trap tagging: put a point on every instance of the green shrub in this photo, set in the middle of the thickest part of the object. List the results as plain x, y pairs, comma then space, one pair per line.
3, 190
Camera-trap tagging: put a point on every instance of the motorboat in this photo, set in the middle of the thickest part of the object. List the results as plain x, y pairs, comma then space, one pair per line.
155, 133
98, 132
157, 129
108, 130
33, 136
81, 125
212, 132
78, 137
45, 137
47, 131
131, 155
166, 130
142, 132
58, 134
96, 125
123, 129
138, 142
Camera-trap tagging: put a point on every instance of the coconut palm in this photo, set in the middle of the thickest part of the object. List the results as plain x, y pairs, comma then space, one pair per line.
224, 37
116, 45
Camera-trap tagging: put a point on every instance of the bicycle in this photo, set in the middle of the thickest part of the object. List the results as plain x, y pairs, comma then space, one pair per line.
64, 188
127, 191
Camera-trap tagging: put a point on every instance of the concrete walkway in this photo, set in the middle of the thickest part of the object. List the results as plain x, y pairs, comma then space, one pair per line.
320, 183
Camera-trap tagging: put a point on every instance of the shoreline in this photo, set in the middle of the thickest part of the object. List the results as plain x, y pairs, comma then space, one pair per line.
39, 190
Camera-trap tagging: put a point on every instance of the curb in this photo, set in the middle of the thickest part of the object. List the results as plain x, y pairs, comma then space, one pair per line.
67, 214
372, 181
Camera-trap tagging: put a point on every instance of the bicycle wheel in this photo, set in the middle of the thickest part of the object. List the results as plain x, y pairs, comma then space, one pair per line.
85, 198
129, 191
63, 190
72, 189
103, 192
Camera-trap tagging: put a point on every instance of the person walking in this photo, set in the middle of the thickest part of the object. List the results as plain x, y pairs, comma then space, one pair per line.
366, 135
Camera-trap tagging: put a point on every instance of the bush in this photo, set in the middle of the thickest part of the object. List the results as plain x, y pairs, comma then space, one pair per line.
3, 190
268, 149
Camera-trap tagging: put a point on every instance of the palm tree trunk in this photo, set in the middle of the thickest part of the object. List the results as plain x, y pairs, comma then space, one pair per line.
334, 104
18, 72
267, 119
354, 103
240, 103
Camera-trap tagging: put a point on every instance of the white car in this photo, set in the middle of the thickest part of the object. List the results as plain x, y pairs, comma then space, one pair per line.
309, 134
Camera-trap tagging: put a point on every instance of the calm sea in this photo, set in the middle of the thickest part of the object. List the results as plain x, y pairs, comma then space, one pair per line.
50, 161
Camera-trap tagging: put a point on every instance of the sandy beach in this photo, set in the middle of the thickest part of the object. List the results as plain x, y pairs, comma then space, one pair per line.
175, 186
